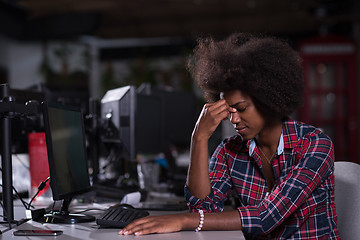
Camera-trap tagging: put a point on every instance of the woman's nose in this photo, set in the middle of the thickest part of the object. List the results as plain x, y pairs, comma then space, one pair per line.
234, 117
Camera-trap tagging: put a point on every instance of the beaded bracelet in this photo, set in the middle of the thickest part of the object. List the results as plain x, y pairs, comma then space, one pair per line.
201, 223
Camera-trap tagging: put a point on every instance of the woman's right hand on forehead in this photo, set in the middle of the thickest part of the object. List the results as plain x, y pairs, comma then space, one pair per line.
210, 117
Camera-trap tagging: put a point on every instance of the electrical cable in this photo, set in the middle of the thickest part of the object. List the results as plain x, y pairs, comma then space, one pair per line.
8, 221
26, 205
18, 195
40, 188
21, 161
90, 209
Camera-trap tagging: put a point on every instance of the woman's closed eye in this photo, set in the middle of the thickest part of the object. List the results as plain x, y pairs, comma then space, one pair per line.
240, 106
240, 109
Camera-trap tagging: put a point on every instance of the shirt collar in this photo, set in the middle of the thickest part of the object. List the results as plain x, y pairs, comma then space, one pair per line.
280, 148
290, 133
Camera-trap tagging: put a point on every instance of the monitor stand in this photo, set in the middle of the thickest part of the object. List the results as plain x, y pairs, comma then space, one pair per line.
67, 218
64, 216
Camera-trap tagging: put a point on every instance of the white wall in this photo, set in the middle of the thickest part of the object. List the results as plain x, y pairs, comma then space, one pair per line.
22, 60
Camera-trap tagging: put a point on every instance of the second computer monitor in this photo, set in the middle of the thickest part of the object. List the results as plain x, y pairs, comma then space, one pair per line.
69, 176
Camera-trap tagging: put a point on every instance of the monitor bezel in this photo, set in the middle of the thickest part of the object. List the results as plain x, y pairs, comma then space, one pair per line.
57, 195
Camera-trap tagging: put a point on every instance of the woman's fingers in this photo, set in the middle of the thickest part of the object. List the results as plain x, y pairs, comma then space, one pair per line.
138, 228
148, 225
220, 109
133, 227
214, 113
210, 118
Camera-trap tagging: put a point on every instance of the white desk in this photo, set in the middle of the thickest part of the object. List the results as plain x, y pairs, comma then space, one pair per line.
92, 231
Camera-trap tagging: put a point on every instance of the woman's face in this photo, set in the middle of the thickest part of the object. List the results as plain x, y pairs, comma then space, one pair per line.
247, 120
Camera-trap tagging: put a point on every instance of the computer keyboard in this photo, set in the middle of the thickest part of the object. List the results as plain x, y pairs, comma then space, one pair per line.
120, 216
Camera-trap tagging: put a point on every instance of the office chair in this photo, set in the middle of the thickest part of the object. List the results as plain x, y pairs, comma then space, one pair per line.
347, 199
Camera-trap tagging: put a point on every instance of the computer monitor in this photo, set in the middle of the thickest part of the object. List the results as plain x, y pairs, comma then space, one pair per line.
69, 176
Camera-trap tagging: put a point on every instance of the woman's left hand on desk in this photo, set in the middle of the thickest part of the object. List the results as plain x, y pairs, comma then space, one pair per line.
155, 224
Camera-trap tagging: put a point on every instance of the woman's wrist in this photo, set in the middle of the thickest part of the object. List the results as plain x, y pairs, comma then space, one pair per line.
199, 135
198, 138
189, 221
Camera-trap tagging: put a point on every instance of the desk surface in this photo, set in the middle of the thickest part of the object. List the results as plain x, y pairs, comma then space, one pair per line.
92, 231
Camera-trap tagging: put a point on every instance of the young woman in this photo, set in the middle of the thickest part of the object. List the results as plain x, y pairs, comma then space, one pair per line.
281, 169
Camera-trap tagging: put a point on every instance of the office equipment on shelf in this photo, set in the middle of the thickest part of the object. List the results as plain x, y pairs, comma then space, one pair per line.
132, 120
129, 124
69, 177
120, 216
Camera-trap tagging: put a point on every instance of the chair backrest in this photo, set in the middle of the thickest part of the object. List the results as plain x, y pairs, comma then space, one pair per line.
347, 199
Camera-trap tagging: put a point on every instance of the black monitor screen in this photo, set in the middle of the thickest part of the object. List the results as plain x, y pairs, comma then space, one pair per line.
65, 141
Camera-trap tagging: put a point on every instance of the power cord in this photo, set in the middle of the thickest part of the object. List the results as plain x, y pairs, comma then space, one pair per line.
20, 198
17, 194
40, 188
5, 214
37, 214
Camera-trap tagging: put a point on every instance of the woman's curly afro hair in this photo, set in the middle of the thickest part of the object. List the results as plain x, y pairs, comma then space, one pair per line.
265, 68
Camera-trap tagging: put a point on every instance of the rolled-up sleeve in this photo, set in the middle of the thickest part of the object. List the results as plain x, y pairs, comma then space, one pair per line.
220, 184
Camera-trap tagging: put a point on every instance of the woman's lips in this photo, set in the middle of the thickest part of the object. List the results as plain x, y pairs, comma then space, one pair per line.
241, 130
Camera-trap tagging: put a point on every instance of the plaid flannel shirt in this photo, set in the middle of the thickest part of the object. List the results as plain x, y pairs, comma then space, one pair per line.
301, 204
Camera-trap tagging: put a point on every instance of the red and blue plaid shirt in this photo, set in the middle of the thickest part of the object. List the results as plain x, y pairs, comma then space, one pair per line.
301, 204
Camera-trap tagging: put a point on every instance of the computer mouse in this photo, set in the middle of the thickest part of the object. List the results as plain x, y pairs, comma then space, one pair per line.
126, 206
